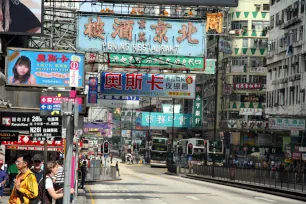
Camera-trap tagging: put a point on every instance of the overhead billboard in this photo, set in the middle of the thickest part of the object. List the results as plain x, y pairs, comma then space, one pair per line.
150, 85
22, 17
134, 35
155, 119
44, 68
130, 102
222, 3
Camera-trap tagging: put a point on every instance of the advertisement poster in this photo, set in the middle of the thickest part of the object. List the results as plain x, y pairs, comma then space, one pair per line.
197, 114
41, 68
155, 119
286, 124
21, 17
134, 35
93, 90
151, 85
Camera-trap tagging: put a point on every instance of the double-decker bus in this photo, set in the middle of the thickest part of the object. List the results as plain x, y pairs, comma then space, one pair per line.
198, 156
159, 152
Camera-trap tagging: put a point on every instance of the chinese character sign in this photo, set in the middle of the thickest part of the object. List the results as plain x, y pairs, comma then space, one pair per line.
142, 36
43, 68
155, 62
92, 89
152, 85
197, 115
214, 22
286, 124
155, 119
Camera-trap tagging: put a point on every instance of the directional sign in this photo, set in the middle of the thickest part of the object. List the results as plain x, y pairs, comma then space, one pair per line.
51, 104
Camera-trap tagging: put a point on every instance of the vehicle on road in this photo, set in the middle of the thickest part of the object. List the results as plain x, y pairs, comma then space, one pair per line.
199, 151
159, 152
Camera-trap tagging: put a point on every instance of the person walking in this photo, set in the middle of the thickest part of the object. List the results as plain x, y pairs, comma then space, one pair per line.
26, 187
111, 158
59, 179
3, 178
37, 168
84, 172
12, 173
117, 168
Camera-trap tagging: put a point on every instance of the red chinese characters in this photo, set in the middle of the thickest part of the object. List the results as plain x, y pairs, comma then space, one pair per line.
41, 58
113, 81
64, 58
133, 81
155, 82
161, 31
52, 58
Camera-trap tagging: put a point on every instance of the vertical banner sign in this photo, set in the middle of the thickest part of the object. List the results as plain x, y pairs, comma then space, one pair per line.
93, 90
214, 22
197, 115
74, 73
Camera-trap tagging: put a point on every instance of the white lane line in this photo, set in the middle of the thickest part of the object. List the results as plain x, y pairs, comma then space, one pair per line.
260, 198
194, 198
230, 198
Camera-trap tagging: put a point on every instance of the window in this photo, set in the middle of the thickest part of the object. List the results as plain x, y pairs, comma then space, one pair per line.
263, 43
279, 71
257, 79
283, 16
295, 12
302, 6
294, 35
266, 7
239, 79
289, 14
256, 61
245, 43
301, 33
239, 25
277, 20
239, 61
272, 22
272, 2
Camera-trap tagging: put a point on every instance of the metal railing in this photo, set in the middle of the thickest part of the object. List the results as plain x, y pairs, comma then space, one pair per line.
101, 173
289, 180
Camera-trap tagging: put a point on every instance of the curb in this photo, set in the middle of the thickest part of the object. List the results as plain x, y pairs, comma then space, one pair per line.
273, 191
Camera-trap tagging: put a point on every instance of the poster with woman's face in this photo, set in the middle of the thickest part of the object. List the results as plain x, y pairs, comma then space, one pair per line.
22, 17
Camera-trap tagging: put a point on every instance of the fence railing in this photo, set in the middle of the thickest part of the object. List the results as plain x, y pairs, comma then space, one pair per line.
278, 179
101, 173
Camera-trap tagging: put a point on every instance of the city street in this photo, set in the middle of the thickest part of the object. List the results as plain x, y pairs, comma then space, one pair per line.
143, 184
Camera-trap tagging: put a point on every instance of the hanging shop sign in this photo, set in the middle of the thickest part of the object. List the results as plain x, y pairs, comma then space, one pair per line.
134, 35
8, 136
156, 62
26, 140
225, 46
296, 156
46, 127
155, 119
151, 85
247, 86
44, 68
92, 90
214, 22
237, 68
258, 69
248, 98
131, 102
286, 124
250, 111
31, 148
210, 66
168, 108
197, 115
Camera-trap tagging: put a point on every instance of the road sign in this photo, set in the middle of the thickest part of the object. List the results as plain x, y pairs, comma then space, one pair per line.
51, 105
46, 127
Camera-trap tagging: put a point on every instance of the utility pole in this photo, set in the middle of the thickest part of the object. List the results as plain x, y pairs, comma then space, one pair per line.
216, 105
69, 122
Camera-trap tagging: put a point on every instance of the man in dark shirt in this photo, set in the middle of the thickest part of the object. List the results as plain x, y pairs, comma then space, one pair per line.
37, 167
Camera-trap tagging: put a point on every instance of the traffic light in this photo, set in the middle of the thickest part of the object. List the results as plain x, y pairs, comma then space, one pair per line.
190, 149
134, 146
105, 147
215, 146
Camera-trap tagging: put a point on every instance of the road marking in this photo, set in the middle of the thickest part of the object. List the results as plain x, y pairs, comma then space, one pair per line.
260, 198
230, 198
90, 195
194, 198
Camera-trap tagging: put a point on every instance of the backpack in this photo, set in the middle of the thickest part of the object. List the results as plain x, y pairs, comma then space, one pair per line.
41, 192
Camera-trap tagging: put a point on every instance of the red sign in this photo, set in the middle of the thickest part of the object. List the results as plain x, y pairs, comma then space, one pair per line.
74, 65
32, 148
25, 140
247, 86
296, 156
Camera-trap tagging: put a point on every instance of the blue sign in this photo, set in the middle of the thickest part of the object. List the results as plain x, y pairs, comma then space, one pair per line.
152, 85
122, 98
93, 90
134, 35
54, 107
166, 119
44, 68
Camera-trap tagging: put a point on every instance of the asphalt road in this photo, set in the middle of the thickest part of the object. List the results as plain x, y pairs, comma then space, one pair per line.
143, 184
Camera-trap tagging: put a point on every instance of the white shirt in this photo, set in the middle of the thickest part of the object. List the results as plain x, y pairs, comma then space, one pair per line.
49, 183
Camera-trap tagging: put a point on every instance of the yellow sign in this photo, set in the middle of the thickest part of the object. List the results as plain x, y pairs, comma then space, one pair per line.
214, 22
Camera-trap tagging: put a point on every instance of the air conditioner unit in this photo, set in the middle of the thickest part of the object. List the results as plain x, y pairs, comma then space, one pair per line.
258, 6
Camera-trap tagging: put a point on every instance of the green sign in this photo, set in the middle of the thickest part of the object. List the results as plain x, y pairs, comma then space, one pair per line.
197, 116
155, 62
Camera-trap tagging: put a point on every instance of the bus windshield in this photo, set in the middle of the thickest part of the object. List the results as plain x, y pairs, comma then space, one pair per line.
198, 143
159, 156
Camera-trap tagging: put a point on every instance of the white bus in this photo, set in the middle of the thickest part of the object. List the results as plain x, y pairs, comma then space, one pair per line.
159, 152
198, 156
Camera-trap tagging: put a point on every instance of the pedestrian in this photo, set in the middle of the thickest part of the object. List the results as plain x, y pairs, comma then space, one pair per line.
59, 179
26, 186
48, 193
37, 167
12, 173
84, 172
111, 157
117, 168
3, 178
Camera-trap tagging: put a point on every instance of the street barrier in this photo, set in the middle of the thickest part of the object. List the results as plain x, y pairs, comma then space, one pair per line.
289, 180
